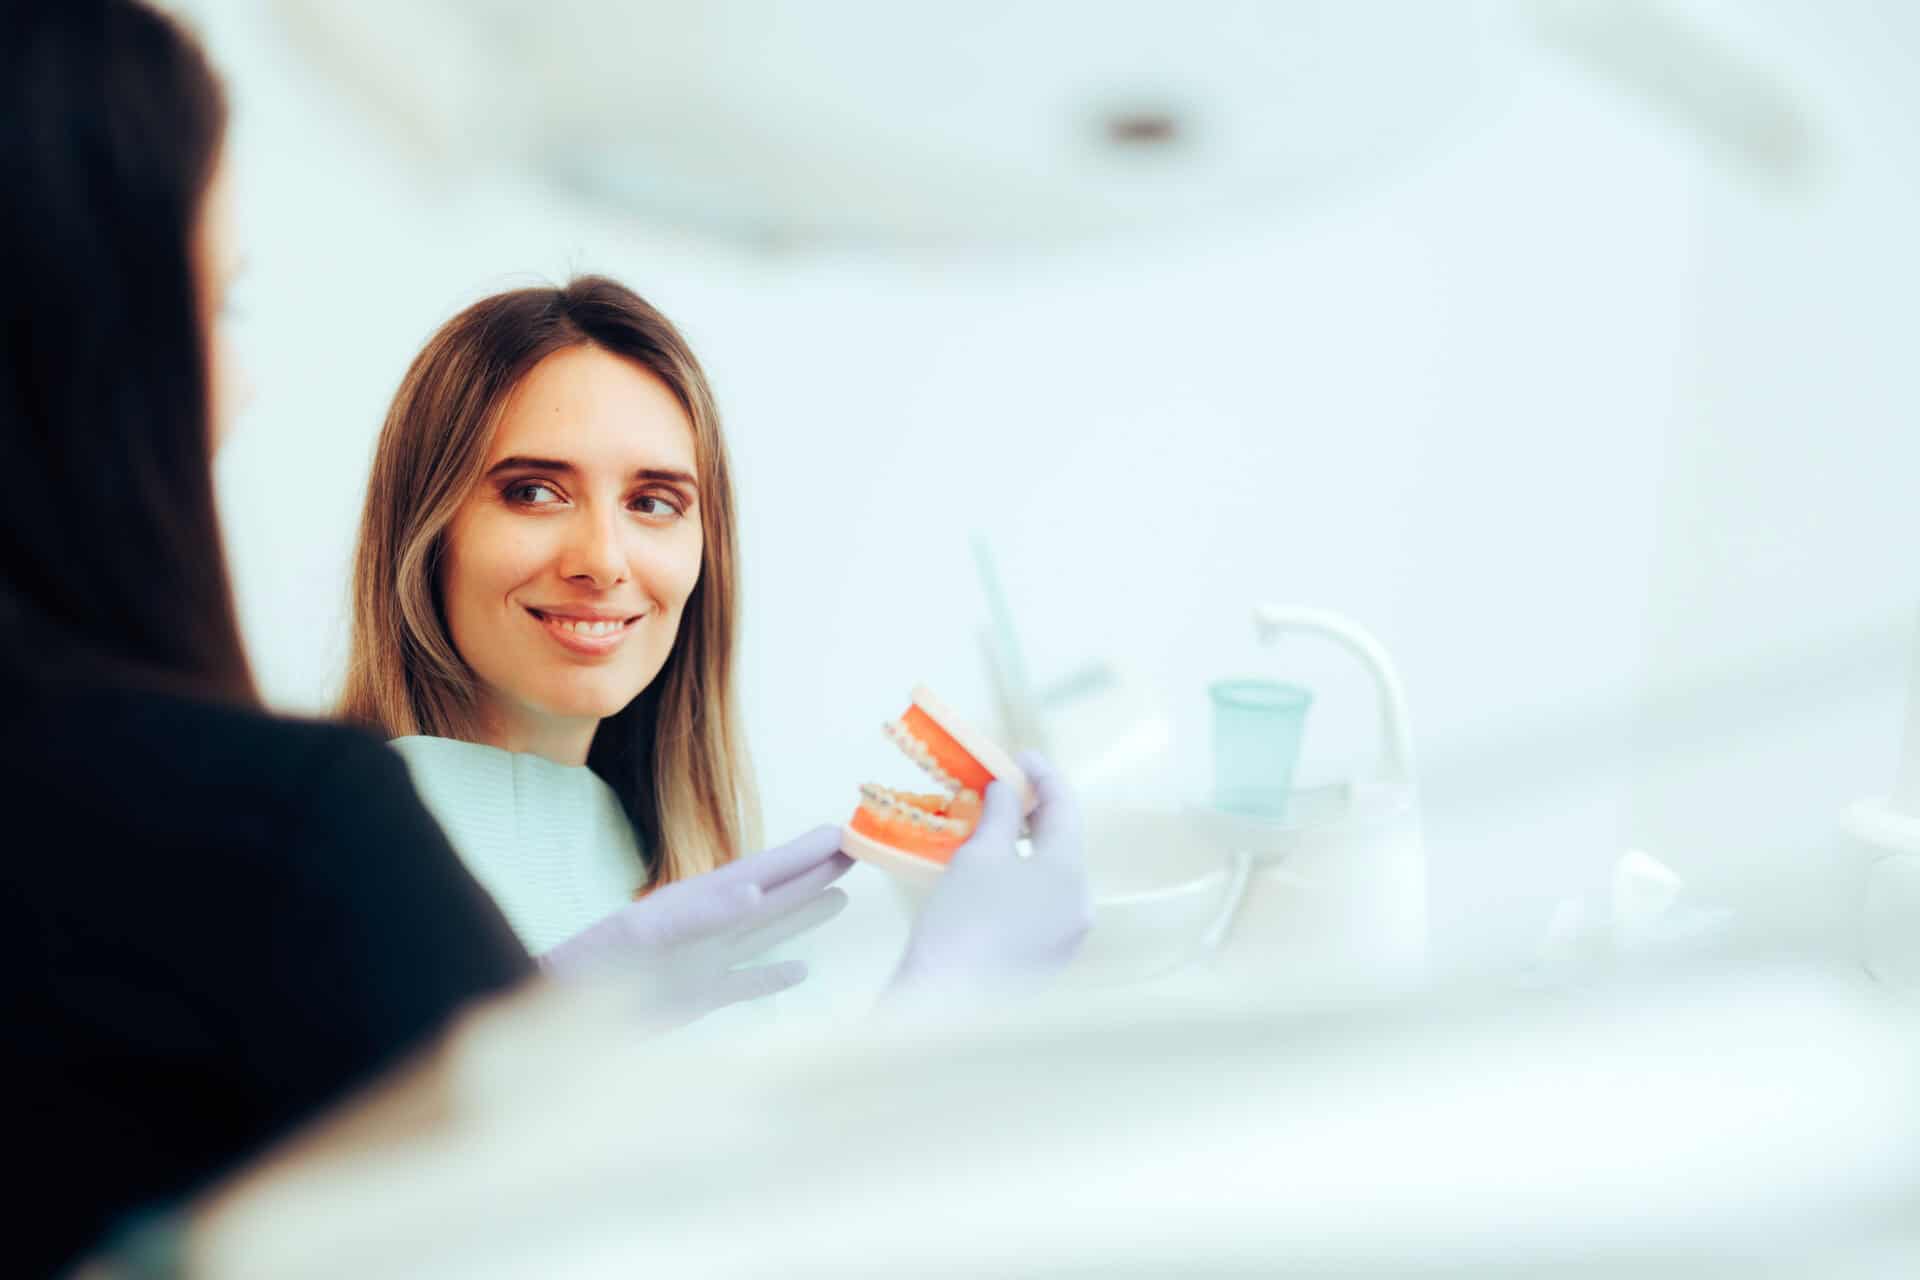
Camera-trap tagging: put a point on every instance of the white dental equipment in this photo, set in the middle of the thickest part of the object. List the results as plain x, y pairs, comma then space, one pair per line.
1336, 906
1326, 903
1888, 829
1648, 914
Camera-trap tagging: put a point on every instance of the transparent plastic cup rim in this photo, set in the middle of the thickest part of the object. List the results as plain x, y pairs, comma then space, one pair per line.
1259, 695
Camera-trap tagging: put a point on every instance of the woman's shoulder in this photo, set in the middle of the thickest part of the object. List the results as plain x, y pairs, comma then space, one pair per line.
159, 750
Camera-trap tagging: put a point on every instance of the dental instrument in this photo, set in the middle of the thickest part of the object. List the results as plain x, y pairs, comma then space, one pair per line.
1103, 726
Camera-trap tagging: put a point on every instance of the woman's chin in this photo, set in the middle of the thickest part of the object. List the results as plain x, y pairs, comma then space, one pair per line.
586, 704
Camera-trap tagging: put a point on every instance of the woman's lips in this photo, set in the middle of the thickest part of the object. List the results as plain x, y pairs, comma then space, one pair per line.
592, 637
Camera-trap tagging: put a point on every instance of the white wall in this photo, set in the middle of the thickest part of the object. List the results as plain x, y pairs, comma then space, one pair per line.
1608, 444
1784, 586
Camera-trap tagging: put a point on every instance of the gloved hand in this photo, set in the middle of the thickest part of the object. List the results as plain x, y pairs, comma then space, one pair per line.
682, 941
995, 917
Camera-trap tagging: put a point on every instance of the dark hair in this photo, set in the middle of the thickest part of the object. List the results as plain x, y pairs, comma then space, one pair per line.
111, 124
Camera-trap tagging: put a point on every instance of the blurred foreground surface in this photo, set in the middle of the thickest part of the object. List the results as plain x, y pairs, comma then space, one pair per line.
1757, 1115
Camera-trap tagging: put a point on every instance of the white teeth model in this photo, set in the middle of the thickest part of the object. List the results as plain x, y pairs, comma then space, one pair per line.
918, 752
888, 801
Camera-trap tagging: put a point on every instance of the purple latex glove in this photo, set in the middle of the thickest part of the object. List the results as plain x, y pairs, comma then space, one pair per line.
684, 940
996, 918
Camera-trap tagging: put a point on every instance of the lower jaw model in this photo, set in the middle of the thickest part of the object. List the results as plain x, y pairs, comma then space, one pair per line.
916, 833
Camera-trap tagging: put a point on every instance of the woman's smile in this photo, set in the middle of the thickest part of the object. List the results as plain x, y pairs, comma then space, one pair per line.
590, 634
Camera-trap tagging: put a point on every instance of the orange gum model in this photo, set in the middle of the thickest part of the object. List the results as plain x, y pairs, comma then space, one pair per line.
915, 833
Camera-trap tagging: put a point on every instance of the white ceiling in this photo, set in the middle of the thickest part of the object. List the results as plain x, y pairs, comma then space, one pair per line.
872, 122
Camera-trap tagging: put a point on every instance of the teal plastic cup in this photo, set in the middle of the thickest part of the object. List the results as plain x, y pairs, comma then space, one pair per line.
1257, 730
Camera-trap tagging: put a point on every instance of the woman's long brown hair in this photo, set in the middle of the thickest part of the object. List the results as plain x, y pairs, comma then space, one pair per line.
676, 755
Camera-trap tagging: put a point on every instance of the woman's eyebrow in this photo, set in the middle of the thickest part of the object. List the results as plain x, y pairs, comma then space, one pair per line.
520, 462
669, 475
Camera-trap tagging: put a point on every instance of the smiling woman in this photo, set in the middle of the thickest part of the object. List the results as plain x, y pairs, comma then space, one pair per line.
569, 565
544, 622
545, 603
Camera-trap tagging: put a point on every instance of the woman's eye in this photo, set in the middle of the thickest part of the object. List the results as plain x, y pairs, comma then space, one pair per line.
531, 493
653, 504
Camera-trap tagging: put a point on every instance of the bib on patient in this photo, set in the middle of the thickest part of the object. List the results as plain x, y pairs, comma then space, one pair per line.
549, 841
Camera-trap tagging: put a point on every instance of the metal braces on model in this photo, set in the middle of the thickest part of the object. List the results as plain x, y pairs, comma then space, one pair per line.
916, 833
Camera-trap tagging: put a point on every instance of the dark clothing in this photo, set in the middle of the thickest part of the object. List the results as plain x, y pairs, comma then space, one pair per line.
214, 923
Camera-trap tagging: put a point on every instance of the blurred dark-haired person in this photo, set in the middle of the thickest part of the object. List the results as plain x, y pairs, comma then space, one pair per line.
214, 921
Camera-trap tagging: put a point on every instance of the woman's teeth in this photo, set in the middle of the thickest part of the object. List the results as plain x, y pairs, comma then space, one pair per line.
581, 627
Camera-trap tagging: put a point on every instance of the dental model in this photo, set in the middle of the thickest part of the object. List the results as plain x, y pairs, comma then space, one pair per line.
914, 833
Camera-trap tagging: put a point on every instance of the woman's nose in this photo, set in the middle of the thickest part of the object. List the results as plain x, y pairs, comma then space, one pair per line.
594, 553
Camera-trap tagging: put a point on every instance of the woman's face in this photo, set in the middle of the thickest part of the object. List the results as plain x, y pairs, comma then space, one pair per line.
568, 567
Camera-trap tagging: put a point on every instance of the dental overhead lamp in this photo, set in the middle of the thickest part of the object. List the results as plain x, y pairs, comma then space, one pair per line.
986, 125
